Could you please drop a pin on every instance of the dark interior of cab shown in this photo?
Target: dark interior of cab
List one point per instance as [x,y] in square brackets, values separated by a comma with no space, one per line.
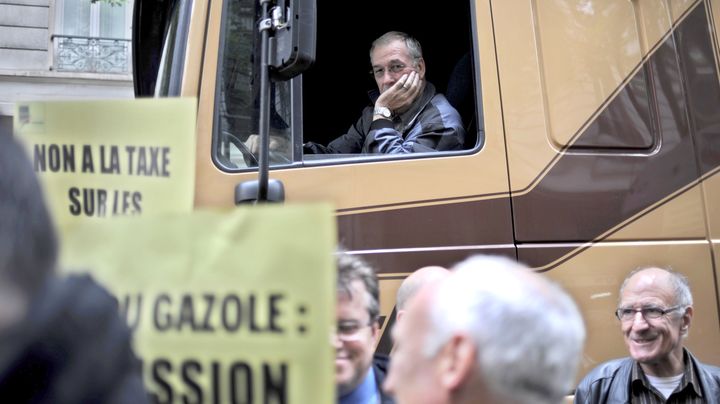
[335,88]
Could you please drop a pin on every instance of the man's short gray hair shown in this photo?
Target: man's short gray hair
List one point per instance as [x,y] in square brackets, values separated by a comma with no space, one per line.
[352,268]
[412,44]
[528,331]
[678,281]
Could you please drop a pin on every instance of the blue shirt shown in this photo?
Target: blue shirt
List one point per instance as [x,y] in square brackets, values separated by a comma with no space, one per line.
[365,393]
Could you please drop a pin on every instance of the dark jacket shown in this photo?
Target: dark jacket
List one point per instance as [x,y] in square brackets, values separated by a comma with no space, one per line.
[430,124]
[610,382]
[72,347]
[381,366]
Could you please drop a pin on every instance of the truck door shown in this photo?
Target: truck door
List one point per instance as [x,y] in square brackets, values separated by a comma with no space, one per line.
[400,211]
[606,114]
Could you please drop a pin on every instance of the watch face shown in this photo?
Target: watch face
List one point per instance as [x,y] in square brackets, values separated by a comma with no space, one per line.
[383,111]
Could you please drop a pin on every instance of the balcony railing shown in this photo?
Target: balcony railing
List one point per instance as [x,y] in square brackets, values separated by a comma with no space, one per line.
[91,54]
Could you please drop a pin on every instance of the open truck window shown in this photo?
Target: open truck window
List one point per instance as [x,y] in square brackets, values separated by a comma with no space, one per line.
[322,103]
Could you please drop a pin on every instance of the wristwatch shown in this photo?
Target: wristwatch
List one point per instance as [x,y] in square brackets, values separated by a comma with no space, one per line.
[383,111]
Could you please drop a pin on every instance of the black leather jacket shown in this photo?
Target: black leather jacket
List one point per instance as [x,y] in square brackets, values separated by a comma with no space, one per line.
[610,382]
[431,124]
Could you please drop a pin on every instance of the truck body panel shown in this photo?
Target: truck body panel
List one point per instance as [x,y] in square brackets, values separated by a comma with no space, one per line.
[598,144]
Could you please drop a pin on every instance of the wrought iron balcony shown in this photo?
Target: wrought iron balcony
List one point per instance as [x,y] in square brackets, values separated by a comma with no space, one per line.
[91,54]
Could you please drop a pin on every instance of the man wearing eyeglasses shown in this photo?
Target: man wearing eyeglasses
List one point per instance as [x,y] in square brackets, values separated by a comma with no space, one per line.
[359,373]
[655,312]
[408,115]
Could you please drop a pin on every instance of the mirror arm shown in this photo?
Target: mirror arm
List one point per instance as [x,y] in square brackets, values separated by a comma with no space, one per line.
[265,27]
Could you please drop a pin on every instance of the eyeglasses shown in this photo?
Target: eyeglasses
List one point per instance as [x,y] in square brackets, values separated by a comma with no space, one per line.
[394,68]
[648,313]
[350,330]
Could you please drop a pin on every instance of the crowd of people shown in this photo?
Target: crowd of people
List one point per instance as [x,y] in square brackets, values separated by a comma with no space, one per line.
[491,330]
[488,330]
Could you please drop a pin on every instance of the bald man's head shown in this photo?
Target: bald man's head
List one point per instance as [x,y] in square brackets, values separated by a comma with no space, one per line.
[413,283]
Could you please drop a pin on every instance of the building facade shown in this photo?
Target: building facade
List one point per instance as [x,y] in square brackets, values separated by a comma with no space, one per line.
[63,49]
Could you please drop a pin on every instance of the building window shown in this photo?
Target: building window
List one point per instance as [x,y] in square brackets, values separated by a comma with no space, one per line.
[92,37]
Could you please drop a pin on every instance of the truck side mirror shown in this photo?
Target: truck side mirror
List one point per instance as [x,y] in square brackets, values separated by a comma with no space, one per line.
[292,48]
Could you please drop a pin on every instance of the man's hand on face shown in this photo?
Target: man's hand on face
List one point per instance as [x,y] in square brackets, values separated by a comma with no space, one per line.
[401,95]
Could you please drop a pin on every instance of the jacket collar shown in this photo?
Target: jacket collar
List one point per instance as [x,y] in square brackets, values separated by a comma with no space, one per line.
[709,377]
[639,380]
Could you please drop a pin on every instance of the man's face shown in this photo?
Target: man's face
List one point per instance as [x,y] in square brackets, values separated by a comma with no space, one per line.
[413,377]
[356,338]
[390,62]
[656,343]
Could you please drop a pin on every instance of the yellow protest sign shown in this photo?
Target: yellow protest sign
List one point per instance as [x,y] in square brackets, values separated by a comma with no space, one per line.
[102,159]
[234,307]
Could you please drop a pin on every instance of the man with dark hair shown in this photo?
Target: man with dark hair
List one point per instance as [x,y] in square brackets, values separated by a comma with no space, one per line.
[358,373]
[655,309]
[408,115]
[61,340]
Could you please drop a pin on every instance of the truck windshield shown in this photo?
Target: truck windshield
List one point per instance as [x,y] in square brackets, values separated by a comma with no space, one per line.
[236,122]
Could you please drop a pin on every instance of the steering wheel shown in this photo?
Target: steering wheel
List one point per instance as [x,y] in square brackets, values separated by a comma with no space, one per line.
[248,156]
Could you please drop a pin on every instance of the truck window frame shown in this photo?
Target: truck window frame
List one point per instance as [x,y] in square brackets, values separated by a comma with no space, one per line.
[298,101]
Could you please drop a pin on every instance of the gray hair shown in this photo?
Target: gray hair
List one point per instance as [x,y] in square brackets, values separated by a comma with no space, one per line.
[412,44]
[352,268]
[528,331]
[28,246]
[678,281]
